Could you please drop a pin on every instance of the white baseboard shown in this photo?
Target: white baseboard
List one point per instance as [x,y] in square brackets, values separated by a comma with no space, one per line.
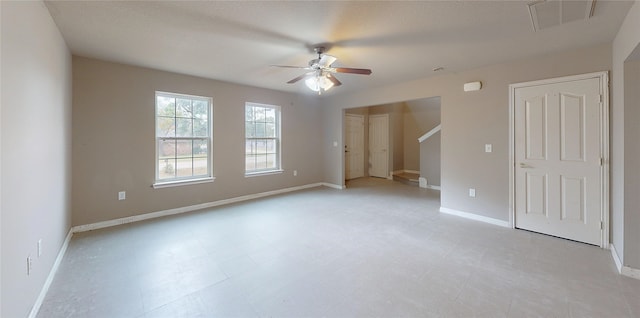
[434,187]
[630,272]
[616,258]
[52,274]
[422,182]
[334,186]
[191,208]
[475,217]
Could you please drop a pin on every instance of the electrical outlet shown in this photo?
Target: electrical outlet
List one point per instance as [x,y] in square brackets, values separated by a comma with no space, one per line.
[122,195]
[472,192]
[29,265]
[488,148]
[39,247]
[295,173]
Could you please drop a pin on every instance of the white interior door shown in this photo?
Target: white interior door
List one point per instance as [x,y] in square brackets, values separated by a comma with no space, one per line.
[558,158]
[354,146]
[379,146]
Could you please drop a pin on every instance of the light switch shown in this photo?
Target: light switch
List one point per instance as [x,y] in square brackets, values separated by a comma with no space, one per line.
[122,195]
[472,192]
[488,148]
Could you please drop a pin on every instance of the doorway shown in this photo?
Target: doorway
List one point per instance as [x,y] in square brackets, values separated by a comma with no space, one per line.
[379,146]
[354,146]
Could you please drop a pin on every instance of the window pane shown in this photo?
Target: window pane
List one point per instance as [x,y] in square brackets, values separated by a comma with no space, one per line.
[166,127]
[261,161]
[250,147]
[250,163]
[270,115]
[249,114]
[166,149]
[165,106]
[200,166]
[184,128]
[200,128]
[260,130]
[271,161]
[184,167]
[184,148]
[250,129]
[259,114]
[166,168]
[270,146]
[270,130]
[183,108]
[200,109]
[200,148]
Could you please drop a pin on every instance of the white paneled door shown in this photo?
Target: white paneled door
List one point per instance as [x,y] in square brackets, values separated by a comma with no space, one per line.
[379,146]
[354,146]
[558,132]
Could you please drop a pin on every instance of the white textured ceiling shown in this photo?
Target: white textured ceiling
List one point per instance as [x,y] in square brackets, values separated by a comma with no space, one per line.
[236,41]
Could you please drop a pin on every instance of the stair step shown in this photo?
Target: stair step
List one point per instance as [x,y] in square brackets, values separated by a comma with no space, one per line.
[407,178]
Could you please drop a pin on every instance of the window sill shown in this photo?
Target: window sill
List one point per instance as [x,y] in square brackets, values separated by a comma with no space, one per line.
[263,173]
[160,185]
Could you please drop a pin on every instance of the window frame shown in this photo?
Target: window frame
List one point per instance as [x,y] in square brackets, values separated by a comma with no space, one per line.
[193,179]
[278,140]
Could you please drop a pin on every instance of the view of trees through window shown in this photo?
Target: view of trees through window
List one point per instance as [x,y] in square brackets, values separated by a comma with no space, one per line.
[262,137]
[183,136]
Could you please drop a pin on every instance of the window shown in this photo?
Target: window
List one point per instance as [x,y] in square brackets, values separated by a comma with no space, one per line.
[262,138]
[183,138]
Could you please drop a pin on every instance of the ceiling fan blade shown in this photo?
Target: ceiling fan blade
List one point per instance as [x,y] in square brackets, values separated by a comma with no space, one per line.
[326,60]
[289,66]
[300,77]
[362,71]
[334,80]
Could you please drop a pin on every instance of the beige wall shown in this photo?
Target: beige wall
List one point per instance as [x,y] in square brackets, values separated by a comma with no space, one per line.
[36,150]
[624,220]
[632,162]
[114,147]
[420,116]
[469,120]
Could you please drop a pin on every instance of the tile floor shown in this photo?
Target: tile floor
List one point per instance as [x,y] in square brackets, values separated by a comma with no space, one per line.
[377,249]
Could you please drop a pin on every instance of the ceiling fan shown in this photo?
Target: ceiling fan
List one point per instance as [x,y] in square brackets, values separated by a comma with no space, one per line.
[320,77]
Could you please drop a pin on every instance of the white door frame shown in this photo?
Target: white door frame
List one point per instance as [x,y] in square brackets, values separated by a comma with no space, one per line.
[604,144]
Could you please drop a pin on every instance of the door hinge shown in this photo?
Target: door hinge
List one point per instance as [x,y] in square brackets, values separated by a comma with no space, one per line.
[601,225]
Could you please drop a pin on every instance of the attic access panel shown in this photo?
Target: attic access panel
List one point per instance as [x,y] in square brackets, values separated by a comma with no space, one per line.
[549,13]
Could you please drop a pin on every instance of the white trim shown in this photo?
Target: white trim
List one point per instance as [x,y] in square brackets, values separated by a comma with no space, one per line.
[422,182]
[334,186]
[263,173]
[430,133]
[153,215]
[631,272]
[604,141]
[52,274]
[169,184]
[474,216]
[616,258]
[434,187]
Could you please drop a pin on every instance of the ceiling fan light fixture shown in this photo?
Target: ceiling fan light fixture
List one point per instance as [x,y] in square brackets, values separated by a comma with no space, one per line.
[319,83]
